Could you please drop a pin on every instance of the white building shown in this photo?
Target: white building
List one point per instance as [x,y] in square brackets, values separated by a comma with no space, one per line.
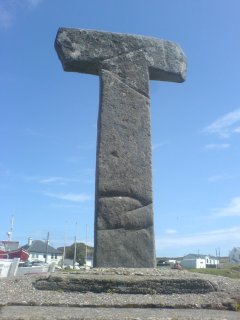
[89,261]
[41,251]
[198,261]
[234,255]
[69,263]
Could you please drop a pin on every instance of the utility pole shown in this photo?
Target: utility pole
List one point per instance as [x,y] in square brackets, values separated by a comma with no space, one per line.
[86,253]
[219,255]
[64,248]
[47,242]
[75,246]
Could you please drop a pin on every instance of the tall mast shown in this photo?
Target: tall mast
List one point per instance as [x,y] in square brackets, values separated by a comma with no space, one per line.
[10,232]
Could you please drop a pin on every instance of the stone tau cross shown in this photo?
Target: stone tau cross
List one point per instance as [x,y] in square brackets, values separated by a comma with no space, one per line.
[124,235]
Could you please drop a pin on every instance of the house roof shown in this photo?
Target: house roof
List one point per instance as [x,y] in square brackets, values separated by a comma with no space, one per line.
[39,246]
[236,249]
[200,256]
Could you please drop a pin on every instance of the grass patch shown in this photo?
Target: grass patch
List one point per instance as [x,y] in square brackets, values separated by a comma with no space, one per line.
[231,272]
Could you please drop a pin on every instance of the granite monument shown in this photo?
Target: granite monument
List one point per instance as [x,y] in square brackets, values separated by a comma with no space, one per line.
[124,233]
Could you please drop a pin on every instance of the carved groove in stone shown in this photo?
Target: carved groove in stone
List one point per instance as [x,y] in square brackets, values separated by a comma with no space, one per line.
[123,81]
[116,194]
[123,212]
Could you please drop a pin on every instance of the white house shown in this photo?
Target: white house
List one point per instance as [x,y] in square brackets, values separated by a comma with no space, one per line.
[234,255]
[41,251]
[198,261]
[89,261]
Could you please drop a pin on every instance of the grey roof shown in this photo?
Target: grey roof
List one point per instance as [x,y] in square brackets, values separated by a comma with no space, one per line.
[196,255]
[39,246]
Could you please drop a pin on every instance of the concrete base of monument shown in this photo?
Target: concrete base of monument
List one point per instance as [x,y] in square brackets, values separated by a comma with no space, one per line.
[120,293]
[127,281]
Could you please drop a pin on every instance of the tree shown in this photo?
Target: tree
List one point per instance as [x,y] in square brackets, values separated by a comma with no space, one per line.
[80,252]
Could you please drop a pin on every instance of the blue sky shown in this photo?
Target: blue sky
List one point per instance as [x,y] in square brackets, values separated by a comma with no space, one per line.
[48,122]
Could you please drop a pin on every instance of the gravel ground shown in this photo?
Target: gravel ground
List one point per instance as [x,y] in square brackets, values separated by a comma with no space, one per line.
[21,292]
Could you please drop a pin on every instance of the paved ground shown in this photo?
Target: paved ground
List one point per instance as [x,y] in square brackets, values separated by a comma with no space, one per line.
[63,313]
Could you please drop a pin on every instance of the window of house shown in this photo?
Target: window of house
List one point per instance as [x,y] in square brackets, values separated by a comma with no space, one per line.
[52,256]
[55,256]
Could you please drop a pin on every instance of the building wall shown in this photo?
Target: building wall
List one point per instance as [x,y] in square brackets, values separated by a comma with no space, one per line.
[200,263]
[41,257]
[193,263]
[89,263]
[189,263]
[234,255]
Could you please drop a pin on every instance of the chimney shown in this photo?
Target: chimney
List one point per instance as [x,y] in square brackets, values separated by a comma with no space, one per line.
[30,241]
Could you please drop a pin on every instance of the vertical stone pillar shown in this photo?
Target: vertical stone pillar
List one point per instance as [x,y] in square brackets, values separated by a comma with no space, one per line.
[124,216]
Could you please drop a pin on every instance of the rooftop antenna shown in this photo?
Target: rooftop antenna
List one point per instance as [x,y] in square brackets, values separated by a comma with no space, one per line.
[10,232]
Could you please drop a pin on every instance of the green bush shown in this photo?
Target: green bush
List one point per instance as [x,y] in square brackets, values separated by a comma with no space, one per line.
[232,272]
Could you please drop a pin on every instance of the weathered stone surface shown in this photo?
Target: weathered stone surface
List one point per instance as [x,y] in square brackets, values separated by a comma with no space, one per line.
[124,234]
[125,284]
[90,51]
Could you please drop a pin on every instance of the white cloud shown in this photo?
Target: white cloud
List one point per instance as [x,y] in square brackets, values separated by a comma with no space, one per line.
[74,197]
[214,237]
[68,205]
[156,146]
[217,146]
[219,177]
[225,126]
[52,180]
[33,3]
[233,209]
[10,8]
[6,17]
[170,231]
[237,130]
